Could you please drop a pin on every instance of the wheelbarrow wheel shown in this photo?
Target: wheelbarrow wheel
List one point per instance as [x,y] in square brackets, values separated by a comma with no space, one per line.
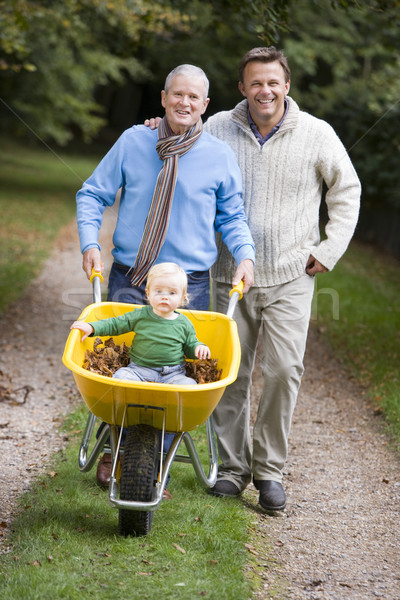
[138,478]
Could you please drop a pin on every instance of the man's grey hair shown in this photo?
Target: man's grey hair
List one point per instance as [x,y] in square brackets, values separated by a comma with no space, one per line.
[187,71]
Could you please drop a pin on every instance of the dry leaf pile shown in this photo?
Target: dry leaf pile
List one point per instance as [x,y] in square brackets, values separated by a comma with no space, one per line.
[106,359]
[204,370]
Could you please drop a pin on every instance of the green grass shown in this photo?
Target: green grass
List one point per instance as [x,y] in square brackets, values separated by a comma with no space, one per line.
[37,197]
[66,545]
[357,307]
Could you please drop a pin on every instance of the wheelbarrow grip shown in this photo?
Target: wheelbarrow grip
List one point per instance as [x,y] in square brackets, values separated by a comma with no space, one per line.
[235,294]
[96,274]
[96,279]
[237,288]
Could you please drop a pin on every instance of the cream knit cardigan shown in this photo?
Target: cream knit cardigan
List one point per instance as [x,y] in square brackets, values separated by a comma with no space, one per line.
[282,188]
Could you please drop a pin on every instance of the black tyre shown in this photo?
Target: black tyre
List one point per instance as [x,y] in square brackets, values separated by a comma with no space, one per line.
[138,478]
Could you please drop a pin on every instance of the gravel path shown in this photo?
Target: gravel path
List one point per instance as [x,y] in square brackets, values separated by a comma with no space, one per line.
[339,537]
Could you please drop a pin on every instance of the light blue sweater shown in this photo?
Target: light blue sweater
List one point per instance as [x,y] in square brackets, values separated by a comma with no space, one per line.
[208,198]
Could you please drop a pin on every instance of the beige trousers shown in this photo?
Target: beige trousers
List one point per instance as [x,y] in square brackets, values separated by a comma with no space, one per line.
[280,315]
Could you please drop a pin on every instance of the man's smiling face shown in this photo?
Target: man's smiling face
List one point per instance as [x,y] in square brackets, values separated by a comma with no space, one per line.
[184,102]
[265,88]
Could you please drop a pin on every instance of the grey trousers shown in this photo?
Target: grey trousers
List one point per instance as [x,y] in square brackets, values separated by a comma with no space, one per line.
[175,375]
[280,315]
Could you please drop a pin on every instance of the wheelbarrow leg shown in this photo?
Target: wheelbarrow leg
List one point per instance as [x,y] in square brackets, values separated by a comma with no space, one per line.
[206,481]
[85,463]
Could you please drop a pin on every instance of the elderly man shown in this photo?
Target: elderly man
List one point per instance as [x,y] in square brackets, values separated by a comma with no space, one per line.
[179,185]
[185,180]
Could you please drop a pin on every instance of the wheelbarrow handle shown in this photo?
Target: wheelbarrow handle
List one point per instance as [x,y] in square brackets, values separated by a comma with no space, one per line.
[96,279]
[237,289]
[235,294]
[96,274]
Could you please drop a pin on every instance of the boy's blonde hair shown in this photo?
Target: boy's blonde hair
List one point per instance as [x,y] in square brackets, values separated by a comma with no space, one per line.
[169,269]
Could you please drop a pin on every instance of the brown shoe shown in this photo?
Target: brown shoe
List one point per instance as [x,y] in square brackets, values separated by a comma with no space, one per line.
[103,474]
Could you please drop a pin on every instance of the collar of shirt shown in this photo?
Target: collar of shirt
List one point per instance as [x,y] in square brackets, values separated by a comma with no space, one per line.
[257,134]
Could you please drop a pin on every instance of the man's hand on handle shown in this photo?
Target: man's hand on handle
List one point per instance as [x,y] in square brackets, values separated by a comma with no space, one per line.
[245,272]
[92,260]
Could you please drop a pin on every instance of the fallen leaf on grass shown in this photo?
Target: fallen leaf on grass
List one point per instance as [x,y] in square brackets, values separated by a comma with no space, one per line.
[144,573]
[251,549]
[179,548]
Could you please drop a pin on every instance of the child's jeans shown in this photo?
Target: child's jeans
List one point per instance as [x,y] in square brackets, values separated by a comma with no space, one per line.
[175,375]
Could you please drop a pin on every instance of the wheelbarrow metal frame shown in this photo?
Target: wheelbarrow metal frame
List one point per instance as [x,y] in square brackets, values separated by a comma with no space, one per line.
[86,463]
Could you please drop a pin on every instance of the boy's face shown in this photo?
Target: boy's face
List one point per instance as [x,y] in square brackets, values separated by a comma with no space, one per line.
[165,295]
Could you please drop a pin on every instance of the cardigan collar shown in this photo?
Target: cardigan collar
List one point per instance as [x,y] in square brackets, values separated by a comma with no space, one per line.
[239,116]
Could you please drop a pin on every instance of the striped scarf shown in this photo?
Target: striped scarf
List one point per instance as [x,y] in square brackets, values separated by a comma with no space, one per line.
[169,147]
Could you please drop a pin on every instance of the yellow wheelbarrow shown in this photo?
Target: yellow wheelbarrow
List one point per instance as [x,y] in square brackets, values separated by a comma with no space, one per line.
[143,409]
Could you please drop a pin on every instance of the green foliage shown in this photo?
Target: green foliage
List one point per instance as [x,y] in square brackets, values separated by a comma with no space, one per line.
[54,55]
[265,18]
[346,69]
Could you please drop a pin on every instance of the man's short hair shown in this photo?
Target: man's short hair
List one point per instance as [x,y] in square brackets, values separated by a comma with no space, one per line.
[265,55]
[187,71]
